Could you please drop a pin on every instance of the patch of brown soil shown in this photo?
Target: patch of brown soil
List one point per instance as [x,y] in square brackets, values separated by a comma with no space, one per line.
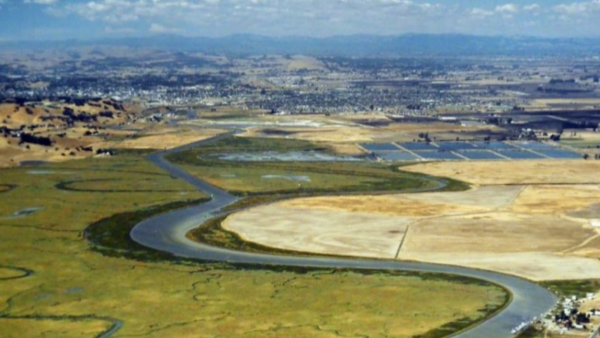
[514,172]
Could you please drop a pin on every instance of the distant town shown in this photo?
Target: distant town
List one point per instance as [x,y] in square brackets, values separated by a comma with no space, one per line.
[306,85]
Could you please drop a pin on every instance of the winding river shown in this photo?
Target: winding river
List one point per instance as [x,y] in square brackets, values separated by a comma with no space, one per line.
[167,232]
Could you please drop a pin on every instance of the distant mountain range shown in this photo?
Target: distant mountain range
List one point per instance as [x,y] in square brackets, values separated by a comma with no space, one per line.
[353,45]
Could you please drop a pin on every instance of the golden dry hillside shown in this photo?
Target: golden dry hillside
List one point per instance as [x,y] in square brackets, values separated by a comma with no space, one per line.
[58,129]
[16,113]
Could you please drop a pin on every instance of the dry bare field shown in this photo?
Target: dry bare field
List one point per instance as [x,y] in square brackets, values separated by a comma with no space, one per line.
[354,128]
[542,232]
[360,133]
[321,230]
[161,137]
[515,172]
[568,101]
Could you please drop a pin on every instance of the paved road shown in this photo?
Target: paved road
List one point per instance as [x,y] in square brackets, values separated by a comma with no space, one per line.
[167,232]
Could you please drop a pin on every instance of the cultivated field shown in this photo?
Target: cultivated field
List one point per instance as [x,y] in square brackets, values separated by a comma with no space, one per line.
[72,289]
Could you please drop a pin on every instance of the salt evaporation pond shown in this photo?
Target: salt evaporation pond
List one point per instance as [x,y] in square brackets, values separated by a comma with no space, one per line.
[293,156]
[287,177]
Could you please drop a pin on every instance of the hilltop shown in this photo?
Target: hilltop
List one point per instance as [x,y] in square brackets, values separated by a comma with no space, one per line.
[57,128]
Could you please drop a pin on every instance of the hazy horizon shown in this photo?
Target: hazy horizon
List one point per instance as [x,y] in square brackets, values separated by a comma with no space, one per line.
[89,20]
[294,36]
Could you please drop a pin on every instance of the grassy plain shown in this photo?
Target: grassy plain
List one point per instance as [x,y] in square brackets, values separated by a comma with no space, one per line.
[568,288]
[249,178]
[43,328]
[7,273]
[5,188]
[73,287]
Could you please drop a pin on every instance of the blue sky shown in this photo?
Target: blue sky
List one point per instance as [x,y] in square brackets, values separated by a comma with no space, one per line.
[89,19]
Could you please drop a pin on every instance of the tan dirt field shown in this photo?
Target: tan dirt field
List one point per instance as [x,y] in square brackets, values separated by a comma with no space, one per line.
[515,172]
[590,248]
[585,136]
[549,102]
[530,231]
[536,266]
[588,305]
[305,62]
[405,132]
[393,205]
[556,200]
[352,233]
[165,140]
[324,134]
[485,196]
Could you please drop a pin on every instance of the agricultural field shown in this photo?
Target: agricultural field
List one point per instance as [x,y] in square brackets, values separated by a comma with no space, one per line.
[53,282]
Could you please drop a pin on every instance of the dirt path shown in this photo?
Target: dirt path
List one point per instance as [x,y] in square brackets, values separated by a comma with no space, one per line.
[582,244]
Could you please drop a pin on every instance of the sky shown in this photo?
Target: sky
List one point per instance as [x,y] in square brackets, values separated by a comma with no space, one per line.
[85,19]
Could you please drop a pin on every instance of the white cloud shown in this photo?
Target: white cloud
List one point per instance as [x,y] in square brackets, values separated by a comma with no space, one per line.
[120,30]
[115,11]
[127,10]
[532,7]
[326,17]
[578,8]
[40,2]
[160,29]
[507,11]
[507,8]
[481,13]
